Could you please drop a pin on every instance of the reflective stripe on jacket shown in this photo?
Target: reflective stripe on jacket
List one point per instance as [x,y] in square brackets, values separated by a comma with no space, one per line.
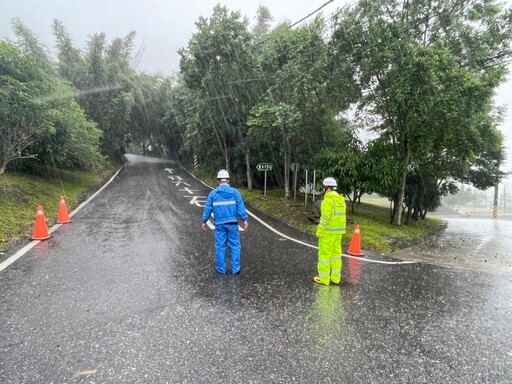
[226,204]
[333,219]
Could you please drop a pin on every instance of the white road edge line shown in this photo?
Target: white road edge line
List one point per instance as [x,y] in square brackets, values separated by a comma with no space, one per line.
[301,242]
[32,244]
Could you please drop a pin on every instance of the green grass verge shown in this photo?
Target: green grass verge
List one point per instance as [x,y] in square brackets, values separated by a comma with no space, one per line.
[372,215]
[20,195]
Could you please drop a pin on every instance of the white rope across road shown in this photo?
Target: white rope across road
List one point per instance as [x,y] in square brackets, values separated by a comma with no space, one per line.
[315,247]
[302,242]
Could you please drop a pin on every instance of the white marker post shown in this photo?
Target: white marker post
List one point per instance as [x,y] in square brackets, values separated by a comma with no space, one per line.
[306,192]
[314,185]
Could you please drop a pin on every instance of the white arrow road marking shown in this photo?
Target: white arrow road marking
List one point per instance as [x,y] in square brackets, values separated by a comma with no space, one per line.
[190,191]
[210,224]
[182,182]
[197,200]
[174,178]
[170,170]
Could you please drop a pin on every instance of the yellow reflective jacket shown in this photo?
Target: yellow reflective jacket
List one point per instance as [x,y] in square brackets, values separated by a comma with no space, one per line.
[333,219]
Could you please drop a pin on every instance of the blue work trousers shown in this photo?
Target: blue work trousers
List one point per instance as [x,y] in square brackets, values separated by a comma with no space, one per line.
[227,234]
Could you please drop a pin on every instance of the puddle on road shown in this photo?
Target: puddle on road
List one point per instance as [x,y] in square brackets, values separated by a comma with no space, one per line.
[477,244]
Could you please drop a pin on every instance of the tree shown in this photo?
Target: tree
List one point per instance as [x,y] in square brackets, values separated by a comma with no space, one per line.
[427,71]
[294,108]
[69,140]
[106,93]
[25,113]
[29,44]
[342,158]
[70,62]
[216,66]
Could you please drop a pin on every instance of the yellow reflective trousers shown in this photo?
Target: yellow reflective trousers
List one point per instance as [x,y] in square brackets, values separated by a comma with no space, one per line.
[329,259]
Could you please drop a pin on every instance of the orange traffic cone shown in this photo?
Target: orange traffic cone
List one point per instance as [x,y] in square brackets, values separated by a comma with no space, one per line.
[355,244]
[63,217]
[40,229]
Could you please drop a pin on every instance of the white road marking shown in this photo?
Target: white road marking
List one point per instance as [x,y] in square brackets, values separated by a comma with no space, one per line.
[182,182]
[170,170]
[18,254]
[190,191]
[197,202]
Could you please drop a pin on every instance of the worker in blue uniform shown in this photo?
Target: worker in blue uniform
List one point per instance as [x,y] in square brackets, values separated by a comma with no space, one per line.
[226,204]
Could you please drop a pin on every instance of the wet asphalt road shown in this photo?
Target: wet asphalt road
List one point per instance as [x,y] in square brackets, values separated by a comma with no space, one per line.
[127,293]
[483,245]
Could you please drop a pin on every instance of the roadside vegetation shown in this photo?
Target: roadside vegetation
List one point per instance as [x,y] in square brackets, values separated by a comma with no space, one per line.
[390,98]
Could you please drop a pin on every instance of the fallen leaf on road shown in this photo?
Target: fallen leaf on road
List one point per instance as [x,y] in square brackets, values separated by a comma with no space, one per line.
[509,353]
[86,373]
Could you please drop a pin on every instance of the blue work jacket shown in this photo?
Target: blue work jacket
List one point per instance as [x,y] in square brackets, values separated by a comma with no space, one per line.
[226,204]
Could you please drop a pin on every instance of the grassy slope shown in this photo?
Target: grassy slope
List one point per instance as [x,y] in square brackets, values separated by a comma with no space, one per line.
[21,194]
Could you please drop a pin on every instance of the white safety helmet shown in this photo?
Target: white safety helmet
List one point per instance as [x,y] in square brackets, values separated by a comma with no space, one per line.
[329,182]
[223,175]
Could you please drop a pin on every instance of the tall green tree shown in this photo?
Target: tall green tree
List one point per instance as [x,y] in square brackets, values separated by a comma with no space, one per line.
[70,61]
[216,66]
[427,70]
[28,42]
[294,109]
[25,114]
[106,93]
[40,118]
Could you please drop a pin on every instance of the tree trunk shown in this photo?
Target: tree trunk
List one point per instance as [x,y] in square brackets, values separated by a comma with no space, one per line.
[248,167]
[408,215]
[226,159]
[399,197]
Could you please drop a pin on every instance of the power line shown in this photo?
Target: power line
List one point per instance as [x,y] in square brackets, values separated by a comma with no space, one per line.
[301,20]
[311,14]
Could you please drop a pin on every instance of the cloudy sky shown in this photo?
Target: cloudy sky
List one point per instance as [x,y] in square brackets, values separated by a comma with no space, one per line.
[164,26]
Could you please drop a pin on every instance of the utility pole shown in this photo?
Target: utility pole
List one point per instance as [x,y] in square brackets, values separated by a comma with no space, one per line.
[495,204]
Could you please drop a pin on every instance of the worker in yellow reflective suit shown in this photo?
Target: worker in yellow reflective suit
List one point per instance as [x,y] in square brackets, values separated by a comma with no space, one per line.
[330,233]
